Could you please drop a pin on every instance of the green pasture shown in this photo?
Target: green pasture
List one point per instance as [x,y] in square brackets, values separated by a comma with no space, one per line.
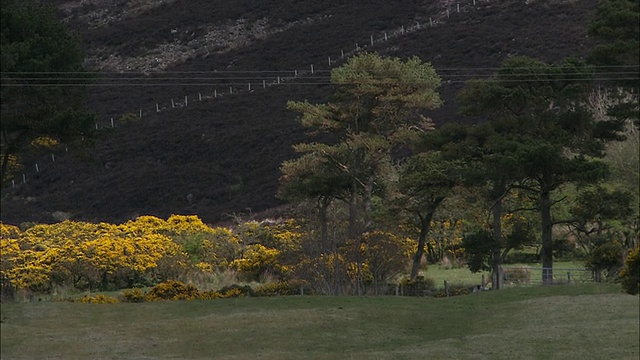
[592,321]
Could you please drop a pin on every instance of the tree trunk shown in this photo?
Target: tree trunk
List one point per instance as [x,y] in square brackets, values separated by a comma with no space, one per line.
[425,225]
[547,239]
[353,210]
[323,205]
[496,254]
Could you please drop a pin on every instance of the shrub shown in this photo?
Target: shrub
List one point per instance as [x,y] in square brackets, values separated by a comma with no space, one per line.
[421,286]
[173,290]
[99,299]
[454,290]
[236,291]
[132,296]
[630,275]
[282,288]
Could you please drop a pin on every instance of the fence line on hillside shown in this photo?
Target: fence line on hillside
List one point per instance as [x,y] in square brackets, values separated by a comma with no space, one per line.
[274,80]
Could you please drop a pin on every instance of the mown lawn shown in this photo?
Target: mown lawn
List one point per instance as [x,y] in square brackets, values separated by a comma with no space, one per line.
[558,322]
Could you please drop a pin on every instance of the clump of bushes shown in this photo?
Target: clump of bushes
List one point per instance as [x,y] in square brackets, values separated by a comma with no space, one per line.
[282,288]
[99,299]
[132,296]
[630,275]
[173,290]
[421,286]
[454,290]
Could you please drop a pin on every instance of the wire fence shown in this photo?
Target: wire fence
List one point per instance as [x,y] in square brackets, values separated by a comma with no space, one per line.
[222,84]
[528,276]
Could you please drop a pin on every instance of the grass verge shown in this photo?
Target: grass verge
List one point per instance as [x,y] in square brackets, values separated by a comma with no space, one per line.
[561,322]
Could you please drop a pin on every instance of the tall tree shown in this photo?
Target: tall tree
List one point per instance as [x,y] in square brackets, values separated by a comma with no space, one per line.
[375,106]
[41,66]
[425,181]
[540,109]
[490,167]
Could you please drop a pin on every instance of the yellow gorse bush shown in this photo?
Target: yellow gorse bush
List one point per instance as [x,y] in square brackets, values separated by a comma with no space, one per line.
[102,255]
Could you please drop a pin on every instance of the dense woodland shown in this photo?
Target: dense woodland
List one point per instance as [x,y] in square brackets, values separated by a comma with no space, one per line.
[391,162]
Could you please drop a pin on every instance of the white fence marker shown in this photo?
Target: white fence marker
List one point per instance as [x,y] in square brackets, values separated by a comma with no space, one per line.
[53,158]
[13,183]
[96,126]
[186,100]
[230,89]
[371,40]
[341,53]
[141,113]
[385,36]
[278,79]
[430,22]
[295,73]
[37,168]
[173,104]
[458,6]
[24,178]
[329,58]
[264,84]
[215,93]
[249,86]
[199,96]
[112,124]
[157,108]
[402,30]
[312,68]
[447,12]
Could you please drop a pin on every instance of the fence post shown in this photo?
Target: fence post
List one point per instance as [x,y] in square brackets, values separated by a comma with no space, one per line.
[37,168]
[458,6]
[312,68]
[341,53]
[402,29]
[186,101]
[371,40]
[24,178]
[278,79]
[215,93]
[264,84]
[329,58]
[173,104]
[157,108]
[249,86]
[385,36]
[483,283]
[141,113]
[295,73]
[13,183]
[112,124]
[199,96]
[230,89]
[53,158]
[569,277]
[447,13]
[446,288]
[430,22]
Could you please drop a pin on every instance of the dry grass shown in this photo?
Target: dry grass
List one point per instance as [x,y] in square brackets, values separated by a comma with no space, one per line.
[574,322]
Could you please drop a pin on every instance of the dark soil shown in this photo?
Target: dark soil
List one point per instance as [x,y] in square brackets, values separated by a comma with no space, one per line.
[221,156]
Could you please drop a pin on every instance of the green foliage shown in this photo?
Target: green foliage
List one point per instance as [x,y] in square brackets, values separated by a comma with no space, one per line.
[478,248]
[605,256]
[630,275]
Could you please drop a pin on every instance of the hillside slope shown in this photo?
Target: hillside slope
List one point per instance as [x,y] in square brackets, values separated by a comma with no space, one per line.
[220,156]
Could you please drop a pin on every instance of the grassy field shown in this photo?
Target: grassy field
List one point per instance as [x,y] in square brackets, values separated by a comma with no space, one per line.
[559,322]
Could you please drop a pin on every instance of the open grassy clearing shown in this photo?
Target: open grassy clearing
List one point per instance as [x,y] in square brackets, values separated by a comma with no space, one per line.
[568,322]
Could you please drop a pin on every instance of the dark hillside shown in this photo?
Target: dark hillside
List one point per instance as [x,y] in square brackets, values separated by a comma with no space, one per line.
[221,156]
